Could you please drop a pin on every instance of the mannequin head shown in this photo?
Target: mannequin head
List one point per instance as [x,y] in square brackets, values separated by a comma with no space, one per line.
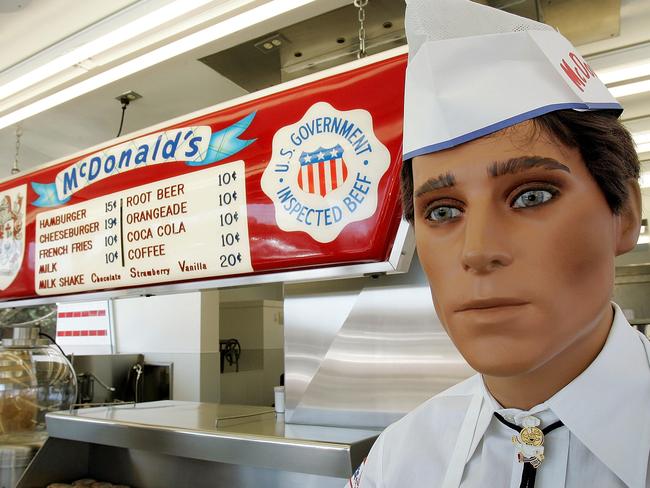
[517,233]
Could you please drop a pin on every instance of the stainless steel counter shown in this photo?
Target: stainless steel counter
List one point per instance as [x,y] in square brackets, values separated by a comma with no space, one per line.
[141,442]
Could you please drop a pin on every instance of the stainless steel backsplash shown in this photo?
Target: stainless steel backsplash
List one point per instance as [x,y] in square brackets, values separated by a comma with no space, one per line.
[363,352]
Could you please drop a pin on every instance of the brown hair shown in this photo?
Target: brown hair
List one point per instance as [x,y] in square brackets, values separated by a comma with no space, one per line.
[605,144]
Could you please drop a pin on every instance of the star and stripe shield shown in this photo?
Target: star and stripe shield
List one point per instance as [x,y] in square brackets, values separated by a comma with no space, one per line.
[322,171]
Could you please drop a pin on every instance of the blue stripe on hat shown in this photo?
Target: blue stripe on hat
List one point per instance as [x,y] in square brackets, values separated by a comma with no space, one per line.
[439,146]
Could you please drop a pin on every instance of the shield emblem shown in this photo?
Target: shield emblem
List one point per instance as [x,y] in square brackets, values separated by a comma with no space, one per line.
[12,233]
[322,171]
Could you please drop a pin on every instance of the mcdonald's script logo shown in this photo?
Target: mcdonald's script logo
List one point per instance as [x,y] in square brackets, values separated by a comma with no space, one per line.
[325,171]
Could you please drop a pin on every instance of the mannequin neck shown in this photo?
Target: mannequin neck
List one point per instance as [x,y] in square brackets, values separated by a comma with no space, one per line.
[533,387]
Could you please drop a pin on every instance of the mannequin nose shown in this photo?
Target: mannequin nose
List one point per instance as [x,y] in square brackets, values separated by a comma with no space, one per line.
[482,262]
[485,247]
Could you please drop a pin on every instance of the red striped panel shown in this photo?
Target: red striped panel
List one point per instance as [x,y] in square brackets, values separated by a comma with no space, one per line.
[335,183]
[321,177]
[81,314]
[82,333]
[310,175]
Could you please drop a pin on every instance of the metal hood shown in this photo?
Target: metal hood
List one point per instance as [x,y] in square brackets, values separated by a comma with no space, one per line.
[333,38]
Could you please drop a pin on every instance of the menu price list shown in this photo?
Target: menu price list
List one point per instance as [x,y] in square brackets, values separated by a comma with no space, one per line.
[185,227]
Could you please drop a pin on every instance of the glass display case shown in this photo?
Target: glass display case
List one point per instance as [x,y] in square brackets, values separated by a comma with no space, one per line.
[35,378]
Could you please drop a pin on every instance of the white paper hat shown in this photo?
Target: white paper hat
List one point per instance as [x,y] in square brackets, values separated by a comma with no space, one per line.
[474,70]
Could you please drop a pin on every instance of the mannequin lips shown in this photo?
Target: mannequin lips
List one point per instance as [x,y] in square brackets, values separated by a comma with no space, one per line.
[488,304]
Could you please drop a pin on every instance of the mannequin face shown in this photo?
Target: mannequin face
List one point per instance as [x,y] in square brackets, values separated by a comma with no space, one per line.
[518,244]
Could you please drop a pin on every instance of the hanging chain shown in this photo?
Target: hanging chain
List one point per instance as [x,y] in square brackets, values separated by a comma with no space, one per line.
[361,5]
[19,133]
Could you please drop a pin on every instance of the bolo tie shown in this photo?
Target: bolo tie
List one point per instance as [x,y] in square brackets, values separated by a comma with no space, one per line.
[530,445]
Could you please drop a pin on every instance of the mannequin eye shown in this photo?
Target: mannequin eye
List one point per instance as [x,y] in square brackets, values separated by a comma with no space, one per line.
[532,198]
[443,213]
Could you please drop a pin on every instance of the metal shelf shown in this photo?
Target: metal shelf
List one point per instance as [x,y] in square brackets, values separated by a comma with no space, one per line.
[175,432]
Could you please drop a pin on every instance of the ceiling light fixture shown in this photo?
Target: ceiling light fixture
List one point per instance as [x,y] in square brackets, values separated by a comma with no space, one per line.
[633,88]
[644,180]
[644,238]
[214,32]
[623,73]
[642,141]
[81,54]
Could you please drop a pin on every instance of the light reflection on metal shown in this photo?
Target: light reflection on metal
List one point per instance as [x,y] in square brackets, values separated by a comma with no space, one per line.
[364,352]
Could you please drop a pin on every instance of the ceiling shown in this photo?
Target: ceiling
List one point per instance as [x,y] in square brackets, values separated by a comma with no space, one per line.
[187,83]
[46,22]
[170,89]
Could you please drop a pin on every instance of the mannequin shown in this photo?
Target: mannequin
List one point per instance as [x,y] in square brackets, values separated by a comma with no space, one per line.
[522,189]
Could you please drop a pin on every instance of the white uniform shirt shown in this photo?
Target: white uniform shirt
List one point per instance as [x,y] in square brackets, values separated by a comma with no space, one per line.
[454,439]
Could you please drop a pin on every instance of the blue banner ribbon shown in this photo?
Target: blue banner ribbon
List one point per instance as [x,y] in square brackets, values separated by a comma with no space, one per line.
[226,142]
[47,196]
[222,145]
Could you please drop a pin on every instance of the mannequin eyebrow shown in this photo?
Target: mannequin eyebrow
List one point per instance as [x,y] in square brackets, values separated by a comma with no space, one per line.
[517,165]
[443,181]
[499,168]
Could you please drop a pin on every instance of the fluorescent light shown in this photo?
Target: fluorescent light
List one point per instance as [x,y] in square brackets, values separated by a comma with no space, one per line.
[622,73]
[627,78]
[641,137]
[642,141]
[630,88]
[644,238]
[209,34]
[103,43]
[644,180]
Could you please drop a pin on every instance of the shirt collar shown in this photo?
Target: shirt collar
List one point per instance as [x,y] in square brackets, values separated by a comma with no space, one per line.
[605,407]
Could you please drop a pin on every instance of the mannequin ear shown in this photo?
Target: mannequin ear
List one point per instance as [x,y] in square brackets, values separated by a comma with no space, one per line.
[629,219]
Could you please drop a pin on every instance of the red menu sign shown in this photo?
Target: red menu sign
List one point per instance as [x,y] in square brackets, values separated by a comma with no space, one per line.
[300,176]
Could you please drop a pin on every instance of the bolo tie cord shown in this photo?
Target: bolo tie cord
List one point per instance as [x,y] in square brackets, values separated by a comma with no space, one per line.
[529,472]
